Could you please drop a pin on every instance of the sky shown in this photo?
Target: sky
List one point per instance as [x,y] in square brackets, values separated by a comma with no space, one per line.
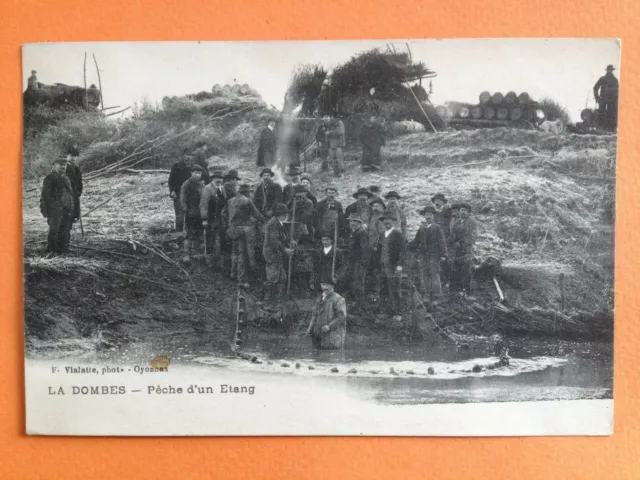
[563,69]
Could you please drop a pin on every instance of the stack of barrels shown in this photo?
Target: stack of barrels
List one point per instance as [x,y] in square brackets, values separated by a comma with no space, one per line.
[497,106]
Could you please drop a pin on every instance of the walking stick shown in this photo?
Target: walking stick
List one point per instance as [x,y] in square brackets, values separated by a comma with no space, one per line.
[80,218]
[335,243]
[293,219]
[206,227]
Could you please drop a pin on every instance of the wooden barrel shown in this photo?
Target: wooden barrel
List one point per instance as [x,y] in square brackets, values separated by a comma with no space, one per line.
[497,98]
[476,112]
[464,112]
[485,97]
[502,113]
[586,115]
[488,113]
[524,98]
[516,113]
[510,98]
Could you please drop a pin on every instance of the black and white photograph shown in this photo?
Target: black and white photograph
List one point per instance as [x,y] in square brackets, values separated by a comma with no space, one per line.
[365,237]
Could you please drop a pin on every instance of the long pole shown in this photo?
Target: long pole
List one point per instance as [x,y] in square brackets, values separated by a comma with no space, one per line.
[80,218]
[293,220]
[335,245]
[86,98]
[99,82]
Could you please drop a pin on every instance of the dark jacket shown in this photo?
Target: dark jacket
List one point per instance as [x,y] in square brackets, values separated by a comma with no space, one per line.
[375,230]
[606,88]
[212,204]
[463,237]
[275,241]
[229,191]
[287,193]
[75,176]
[392,249]
[443,218]
[372,136]
[239,211]
[180,173]
[359,247]
[304,212]
[430,241]
[323,264]
[190,196]
[199,158]
[364,211]
[266,197]
[57,195]
[327,213]
[267,148]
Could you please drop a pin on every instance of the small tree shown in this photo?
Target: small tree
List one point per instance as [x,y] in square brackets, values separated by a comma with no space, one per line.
[554,111]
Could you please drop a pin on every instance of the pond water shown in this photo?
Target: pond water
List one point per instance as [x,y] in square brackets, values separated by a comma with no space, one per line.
[391,373]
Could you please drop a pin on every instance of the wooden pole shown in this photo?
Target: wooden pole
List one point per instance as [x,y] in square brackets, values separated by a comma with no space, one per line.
[293,220]
[86,99]
[95,208]
[562,298]
[335,245]
[80,218]
[99,82]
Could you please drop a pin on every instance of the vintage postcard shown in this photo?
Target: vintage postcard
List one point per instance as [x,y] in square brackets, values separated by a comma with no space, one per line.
[402,237]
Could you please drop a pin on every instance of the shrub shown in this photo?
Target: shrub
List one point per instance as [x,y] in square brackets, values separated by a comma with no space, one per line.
[554,111]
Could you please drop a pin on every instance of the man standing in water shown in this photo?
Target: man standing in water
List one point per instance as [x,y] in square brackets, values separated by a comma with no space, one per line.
[328,327]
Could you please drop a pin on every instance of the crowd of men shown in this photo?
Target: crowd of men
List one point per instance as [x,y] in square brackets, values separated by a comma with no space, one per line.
[359,250]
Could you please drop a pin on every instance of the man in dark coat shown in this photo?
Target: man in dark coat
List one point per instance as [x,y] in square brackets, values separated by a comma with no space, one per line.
[337,141]
[372,139]
[328,326]
[441,212]
[275,251]
[361,206]
[305,181]
[303,229]
[57,202]
[180,173]
[392,205]
[268,193]
[75,177]
[322,147]
[294,179]
[239,211]
[329,214]
[200,156]
[463,238]
[212,202]
[268,145]
[375,232]
[392,252]
[325,269]
[190,196]
[358,257]
[431,248]
[605,92]
[230,180]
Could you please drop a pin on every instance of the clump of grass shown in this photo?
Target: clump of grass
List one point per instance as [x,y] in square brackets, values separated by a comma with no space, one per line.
[554,110]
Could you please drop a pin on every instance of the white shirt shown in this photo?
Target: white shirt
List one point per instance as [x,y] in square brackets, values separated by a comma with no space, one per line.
[388,232]
[326,250]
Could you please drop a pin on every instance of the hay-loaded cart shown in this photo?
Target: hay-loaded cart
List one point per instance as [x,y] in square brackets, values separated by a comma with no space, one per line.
[493,110]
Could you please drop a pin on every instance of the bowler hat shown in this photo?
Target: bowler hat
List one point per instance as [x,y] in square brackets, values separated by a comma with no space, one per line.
[465,206]
[280,209]
[244,188]
[354,217]
[267,170]
[306,176]
[439,196]
[610,68]
[217,174]
[388,214]
[393,193]
[426,209]
[197,168]
[374,189]
[232,174]
[363,191]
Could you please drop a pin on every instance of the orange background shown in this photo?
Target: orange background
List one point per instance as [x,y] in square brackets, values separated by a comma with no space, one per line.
[295,458]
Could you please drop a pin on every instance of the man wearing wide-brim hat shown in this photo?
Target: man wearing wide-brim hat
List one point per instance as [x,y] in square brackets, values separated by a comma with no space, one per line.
[329,214]
[212,203]
[190,196]
[358,258]
[268,145]
[294,179]
[230,181]
[303,227]
[392,252]
[441,212]
[375,232]
[431,249]
[463,238]
[306,181]
[328,326]
[57,202]
[329,264]
[361,205]
[240,211]
[277,247]
[605,92]
[268,193]
[392,198]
